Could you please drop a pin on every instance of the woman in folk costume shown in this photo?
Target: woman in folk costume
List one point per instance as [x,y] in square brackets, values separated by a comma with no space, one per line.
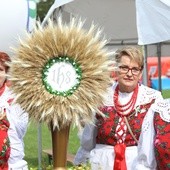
[113,142]
[13,124]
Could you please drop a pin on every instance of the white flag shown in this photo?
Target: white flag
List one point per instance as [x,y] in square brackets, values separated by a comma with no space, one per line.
[167,2]
[153,21]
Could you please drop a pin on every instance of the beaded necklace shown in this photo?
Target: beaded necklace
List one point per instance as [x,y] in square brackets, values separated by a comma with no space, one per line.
[2,89]
[125,109]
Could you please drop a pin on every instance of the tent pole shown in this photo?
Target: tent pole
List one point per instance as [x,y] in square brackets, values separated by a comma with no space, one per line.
[145,69]
[39,146]
[159,66]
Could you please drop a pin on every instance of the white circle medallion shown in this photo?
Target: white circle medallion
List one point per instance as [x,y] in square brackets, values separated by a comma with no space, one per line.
[61,76]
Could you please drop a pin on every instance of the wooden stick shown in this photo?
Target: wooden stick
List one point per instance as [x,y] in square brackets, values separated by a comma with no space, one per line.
[59,143]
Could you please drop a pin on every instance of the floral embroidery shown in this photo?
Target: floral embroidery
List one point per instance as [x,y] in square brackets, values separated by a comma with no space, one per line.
[107,125]
[5,100]
[4,141]
[143,108]
[162,142]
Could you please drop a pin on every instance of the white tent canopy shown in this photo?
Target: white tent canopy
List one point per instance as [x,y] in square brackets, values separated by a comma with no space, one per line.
[109,15]
[113,16]
[119,21]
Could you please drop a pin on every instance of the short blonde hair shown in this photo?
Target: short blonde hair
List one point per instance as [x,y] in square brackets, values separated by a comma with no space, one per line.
[134,54]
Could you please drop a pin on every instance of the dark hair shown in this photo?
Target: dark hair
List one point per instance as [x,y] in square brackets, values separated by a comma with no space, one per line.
[4,58]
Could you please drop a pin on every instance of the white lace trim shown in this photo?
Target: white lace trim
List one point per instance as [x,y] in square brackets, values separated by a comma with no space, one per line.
[163,108]
[145,95]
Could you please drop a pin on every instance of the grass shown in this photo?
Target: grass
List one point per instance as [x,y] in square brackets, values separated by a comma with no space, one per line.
[31,141]
[166,93]
[31,144]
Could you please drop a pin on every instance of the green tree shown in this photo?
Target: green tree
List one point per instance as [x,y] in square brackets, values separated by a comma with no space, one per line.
[42,8]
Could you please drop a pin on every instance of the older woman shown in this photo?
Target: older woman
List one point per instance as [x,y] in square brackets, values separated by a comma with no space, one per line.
[114,142]
[13,124]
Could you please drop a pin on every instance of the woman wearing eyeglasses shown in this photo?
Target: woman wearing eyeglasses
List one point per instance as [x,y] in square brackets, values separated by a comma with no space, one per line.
[113,143]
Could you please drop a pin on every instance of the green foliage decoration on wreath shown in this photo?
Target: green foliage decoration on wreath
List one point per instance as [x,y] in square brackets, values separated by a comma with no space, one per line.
[62,59]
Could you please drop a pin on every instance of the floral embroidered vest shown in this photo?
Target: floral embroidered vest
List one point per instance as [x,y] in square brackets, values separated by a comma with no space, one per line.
[5,101]
[107,125]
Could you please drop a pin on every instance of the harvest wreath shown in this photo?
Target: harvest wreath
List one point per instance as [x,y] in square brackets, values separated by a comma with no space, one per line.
[60,73]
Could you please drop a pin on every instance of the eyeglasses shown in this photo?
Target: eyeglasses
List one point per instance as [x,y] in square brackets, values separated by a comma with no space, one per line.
[125,69]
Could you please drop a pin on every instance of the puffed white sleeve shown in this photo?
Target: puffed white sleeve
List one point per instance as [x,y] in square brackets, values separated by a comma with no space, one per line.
[88,137]
[146,157]
[18,120]
[87,143]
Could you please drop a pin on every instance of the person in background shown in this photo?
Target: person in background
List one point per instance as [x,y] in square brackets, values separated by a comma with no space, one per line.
[115,141]
[13,124]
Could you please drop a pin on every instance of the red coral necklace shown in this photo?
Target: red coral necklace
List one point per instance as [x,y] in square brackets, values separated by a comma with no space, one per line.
[2,89]
[125,109]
